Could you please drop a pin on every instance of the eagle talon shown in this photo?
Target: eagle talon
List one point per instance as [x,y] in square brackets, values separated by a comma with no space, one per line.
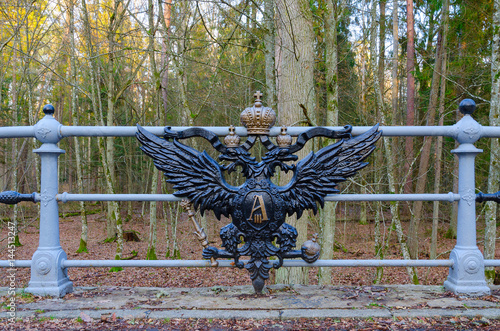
[210,252]
[310,250]
[279,263]
[309,258]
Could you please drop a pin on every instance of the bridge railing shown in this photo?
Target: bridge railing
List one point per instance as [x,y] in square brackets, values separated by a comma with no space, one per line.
[49,264]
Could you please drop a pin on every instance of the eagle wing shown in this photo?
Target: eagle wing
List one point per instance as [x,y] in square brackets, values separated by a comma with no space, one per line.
[319,173]
[195,175]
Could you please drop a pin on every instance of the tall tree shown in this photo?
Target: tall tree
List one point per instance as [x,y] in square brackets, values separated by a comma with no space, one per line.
[410,90]
[425,155]
[395,60]
[269,44]
[388,153]
[333,13]
[439,142]
[70,7]
[296,97]
[156,177]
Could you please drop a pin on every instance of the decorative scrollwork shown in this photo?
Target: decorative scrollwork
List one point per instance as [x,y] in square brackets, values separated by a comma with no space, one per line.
[469,197]
[43,132]
[46,198]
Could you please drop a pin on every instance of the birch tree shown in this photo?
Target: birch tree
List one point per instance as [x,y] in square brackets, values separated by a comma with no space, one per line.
[70,7]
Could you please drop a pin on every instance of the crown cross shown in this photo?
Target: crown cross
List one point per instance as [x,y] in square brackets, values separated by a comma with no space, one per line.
[257,96]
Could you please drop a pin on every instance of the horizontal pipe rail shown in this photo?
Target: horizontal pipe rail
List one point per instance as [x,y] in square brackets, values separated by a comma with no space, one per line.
[17,132]
[449,197]
[492,263]
[65,197]
[227,263]
[230,263]
[17,264]
[129,131]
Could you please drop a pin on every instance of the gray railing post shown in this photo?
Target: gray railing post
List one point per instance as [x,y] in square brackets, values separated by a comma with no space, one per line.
[466,276]
[48,277]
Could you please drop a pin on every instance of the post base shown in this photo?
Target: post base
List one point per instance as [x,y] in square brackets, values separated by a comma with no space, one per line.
[48,278]
[466,276]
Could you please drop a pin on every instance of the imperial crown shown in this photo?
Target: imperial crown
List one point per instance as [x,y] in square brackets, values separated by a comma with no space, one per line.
[232,139]
[258,119]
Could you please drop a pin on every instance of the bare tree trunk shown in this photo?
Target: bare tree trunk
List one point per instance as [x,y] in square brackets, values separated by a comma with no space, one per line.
[112,231]
[269,44]
[328,215]
[439,156]
[15,104]
[494,171]
[439,143]
[155,183]
[395,60]
[167,12]
[381,45]
[394,207]
[410,92]
[113,207]
[295,86]
[79,173]
[426,149]
[381,98]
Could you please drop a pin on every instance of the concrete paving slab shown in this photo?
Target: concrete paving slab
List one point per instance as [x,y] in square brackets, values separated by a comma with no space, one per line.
[278,302]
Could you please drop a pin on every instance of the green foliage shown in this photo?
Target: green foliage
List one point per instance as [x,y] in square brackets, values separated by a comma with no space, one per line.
[450,234]
[415,279]
[109,240]
[83,247]
[116,269]
[490,275]
[17,243]
[151,255]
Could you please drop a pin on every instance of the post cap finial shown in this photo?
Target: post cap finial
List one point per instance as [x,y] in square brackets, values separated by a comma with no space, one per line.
[48,109]
[467,106]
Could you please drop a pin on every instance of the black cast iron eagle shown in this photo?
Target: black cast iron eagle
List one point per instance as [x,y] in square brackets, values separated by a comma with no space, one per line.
[258,208]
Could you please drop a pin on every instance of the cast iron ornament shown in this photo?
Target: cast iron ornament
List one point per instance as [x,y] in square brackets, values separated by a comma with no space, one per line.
[258,208]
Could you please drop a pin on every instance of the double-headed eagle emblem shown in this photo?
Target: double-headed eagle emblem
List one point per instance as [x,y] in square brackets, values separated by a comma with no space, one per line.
[258,208]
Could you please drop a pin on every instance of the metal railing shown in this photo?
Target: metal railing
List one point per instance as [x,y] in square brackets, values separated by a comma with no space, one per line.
[49,264]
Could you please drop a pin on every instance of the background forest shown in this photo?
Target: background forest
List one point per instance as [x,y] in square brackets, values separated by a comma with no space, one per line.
[324,62]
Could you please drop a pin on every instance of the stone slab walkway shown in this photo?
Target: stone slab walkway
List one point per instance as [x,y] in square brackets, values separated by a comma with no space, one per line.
[280,302]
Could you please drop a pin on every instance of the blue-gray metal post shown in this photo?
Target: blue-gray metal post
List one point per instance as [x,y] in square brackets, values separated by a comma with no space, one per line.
[48,277]
[466,276]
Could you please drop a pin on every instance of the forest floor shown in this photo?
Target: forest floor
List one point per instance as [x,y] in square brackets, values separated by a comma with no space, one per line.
[353,241]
